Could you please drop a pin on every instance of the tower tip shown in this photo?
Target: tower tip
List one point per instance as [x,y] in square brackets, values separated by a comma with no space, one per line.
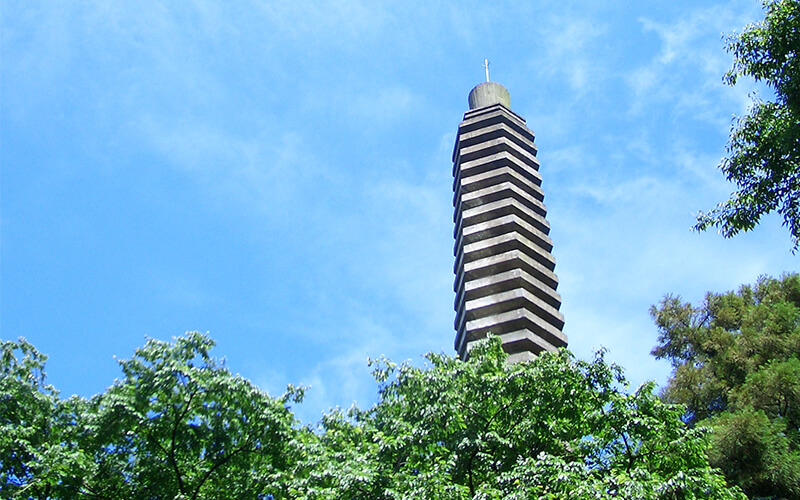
[487,94]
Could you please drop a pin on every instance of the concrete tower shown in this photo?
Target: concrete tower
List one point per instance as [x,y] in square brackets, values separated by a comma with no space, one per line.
[505,282]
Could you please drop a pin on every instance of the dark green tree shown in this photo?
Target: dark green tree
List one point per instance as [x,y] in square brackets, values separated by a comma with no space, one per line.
[764,149]
[736,368]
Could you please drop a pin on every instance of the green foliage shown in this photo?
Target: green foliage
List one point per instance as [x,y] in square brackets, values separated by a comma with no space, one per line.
[554,427]
[736,368]
[764,149]
[755,452]
[38,453]
[180,425]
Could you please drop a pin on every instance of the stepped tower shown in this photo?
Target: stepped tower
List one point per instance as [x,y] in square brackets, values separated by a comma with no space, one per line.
[505,281]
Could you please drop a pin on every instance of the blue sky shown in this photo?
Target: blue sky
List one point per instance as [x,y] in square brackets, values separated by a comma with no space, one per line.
[278,174]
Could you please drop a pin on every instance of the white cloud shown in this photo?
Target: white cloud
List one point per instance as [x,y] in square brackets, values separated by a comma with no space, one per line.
[567,45]
[266,170]
[180,290]
[342,376]
[379,107]
[328,21]
[625,194]
[687,71]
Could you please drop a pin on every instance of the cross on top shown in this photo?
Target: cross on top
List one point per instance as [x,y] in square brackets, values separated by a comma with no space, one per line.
[486,67]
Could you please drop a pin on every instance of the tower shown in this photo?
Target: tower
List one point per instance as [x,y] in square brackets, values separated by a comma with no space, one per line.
[505,281]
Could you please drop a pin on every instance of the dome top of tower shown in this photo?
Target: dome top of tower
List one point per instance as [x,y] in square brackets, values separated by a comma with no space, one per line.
[487,94]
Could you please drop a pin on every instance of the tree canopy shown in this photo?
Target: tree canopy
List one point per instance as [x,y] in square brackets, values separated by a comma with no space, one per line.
[764,149]
[179,424]
[736,368]
[555,427]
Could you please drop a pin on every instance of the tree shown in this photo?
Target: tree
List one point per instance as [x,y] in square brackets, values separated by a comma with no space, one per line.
[39,456]
[764,148]
[179,425]
[736,368]
[554,427]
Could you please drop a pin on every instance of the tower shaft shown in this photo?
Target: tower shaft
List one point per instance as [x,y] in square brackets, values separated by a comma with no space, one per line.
[505,281]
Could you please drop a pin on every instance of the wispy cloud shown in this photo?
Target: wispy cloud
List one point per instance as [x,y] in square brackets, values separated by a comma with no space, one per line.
[180,290]
[380,107]
[568,48]
[688,67]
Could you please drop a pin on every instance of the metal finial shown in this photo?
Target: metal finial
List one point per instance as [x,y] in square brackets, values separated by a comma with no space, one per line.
[486,66]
